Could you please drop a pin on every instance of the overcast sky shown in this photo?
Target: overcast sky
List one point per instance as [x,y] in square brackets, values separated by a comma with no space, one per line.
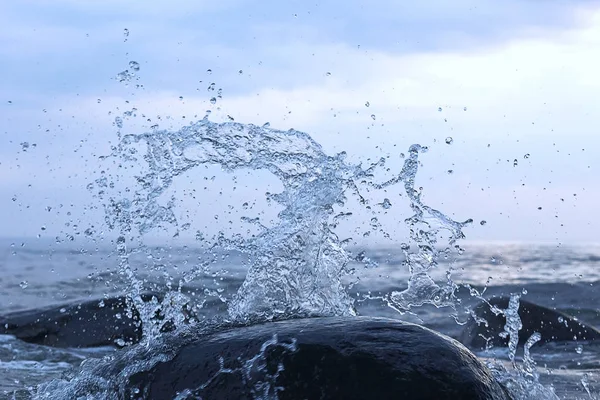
[514,80]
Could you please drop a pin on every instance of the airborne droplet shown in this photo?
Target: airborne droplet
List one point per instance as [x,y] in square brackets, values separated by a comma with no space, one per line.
[373,117]
[24,284]
[386,203]
[367,104]
[449,140]
[134,65]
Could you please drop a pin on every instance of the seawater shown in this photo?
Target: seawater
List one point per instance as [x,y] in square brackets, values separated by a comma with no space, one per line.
[293,265]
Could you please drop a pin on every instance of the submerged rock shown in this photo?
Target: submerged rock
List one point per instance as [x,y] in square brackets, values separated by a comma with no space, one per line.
[319,358]
[87,324]
[552,325]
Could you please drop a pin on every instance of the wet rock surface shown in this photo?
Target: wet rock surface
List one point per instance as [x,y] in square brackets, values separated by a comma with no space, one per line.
[101,322]
[553,325]
[320,358]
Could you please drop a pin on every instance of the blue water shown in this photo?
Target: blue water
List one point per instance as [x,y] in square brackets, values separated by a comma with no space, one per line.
[34,273]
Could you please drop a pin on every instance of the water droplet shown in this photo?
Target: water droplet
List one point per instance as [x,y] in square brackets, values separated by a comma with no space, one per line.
[374,221]
[328,74]
[464,108]
[439,109]
[180,97]
[24,284]
[266,125]
[449,140]
[483,222]
[240,72]
[119,122]
[579,349]
[24,146]
[213,100]
[515,162]
[120,342]
[539,208]
[367,104]
[386,203]
[561,319]
[63,310]
[526,156]
[134,65]
[450,171]
[10,102]
[101,304]
[209,71]
[373,117]
[99,101]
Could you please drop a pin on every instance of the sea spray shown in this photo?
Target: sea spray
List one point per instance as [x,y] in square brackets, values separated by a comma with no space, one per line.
[426,224]
[296,266]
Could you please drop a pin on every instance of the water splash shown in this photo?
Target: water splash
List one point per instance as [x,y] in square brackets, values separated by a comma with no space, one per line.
[297,265]
[513,324]
[529,366]
[299,262]
[522,381]
[426,225]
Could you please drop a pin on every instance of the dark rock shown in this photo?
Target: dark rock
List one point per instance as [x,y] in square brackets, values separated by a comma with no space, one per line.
[87,324]
[553,325]
[319,358]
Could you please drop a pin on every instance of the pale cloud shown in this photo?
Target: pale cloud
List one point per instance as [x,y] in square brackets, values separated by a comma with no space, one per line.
[522,94]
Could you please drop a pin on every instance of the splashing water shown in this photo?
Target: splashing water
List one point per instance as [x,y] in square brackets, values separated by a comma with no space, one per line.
[300,262]
[425,226]
[297,265]
[513,324]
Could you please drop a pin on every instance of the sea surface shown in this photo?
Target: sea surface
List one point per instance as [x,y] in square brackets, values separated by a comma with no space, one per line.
[35,274]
